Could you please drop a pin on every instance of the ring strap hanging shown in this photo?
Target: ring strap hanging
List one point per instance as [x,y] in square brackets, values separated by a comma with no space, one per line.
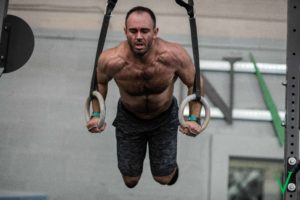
[197,93]
[94,94]
[193,26]
[109,8]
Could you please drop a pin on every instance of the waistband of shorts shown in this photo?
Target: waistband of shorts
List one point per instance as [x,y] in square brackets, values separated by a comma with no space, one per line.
[159,117]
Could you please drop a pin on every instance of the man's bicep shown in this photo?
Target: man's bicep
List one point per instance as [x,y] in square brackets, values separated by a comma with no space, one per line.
[102,77]
[102,70]
[186,69]
[186,74]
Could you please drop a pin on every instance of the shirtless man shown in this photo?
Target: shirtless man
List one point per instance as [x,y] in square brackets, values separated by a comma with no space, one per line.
[145,69]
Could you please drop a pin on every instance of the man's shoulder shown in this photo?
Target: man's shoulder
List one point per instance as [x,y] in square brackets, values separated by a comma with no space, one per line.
[169,46]
[169,50]
[112,55]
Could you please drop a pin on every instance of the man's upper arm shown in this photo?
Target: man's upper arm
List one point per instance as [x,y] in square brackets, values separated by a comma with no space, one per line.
[102,69]
[186,68]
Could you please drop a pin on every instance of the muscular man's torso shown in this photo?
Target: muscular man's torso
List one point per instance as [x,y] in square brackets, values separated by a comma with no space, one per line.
[146,85]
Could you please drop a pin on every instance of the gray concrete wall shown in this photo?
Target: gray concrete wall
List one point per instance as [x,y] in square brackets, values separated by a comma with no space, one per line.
[225,27]
[44,145]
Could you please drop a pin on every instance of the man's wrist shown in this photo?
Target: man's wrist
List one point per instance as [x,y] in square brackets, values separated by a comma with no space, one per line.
[95,114]
[193,118]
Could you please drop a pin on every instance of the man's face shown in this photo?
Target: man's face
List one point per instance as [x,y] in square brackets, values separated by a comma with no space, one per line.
[140,32]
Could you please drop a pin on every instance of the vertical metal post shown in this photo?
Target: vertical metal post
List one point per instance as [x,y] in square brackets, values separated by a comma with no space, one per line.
[231,61]
[291,150]
[3,13]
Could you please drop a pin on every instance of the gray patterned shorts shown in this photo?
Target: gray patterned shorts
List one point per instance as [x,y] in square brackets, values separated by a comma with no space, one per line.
[133,134]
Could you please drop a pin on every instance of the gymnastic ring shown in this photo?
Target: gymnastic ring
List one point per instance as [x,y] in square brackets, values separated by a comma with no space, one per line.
[100,99]
[206,108]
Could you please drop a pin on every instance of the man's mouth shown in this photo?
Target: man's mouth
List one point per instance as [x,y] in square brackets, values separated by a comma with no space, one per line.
[139,45]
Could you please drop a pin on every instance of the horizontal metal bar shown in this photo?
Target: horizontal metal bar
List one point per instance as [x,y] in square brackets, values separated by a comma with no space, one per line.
[247,67]
[242,114]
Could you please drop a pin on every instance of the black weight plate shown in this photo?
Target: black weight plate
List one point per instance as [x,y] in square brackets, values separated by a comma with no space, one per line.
[20,43]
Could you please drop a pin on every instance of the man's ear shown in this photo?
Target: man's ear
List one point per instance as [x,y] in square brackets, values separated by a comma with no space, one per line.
[156,30]
[125,30]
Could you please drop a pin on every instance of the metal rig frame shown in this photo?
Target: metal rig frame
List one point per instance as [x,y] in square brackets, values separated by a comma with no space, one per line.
[291,150]
[3,13]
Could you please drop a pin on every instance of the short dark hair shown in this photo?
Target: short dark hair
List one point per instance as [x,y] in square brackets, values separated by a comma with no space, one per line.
[142,9]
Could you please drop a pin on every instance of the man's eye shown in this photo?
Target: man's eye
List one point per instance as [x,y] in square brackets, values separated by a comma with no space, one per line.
[144,30]
[132,31]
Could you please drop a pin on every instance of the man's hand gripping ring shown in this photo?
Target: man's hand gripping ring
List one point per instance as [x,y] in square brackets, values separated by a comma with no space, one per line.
[101,102]
[206,108]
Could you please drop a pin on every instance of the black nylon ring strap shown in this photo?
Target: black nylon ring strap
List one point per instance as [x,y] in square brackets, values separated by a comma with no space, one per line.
[197,91]
[109,8]
[188,6]
[193,26]
[94,94]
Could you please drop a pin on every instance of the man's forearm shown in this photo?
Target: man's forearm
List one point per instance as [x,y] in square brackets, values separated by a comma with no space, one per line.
[95,105]
[195,106]
[102,89]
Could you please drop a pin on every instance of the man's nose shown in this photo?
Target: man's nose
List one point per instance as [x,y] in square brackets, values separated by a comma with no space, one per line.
[139,35]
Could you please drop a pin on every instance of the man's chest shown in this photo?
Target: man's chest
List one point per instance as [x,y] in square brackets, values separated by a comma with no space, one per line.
[145,72]
[142,78]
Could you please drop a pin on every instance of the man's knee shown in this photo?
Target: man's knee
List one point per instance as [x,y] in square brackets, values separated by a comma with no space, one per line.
[131,181]
[164,180]
[168,180]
